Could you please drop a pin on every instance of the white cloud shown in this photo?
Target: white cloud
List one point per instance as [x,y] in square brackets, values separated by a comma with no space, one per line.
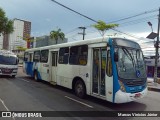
[48,19]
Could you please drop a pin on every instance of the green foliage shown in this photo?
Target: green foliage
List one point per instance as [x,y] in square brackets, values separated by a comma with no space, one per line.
[2,16]
[101,26]
[21,48]
[6,25]
[8,28]
[55,34]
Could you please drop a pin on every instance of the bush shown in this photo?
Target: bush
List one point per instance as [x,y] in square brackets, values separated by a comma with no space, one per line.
[158,80]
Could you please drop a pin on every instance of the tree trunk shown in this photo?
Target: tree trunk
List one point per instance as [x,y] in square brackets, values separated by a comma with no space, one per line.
[6,41]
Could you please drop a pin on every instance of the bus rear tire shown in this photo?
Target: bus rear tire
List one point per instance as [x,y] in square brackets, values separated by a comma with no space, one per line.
[80,89]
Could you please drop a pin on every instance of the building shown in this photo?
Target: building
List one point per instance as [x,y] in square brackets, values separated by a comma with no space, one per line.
[46,40]
[22,31]
[150,64]
[27,31]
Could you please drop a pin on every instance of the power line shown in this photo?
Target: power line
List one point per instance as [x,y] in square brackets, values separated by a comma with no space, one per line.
[126,33]
[151,11]
[73,30]
[73,35]
[120,26]
[73,11]
[138,20]
[110,22]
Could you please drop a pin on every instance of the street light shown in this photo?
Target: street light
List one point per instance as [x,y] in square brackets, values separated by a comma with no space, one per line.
[150,24]
[152,36]
[156,45]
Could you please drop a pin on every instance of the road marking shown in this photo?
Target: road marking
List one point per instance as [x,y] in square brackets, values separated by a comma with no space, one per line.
[79,102]
[4,104]
[25,80]
[6,107]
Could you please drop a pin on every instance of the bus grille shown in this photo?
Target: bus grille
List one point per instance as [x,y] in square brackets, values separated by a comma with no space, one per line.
[135,83]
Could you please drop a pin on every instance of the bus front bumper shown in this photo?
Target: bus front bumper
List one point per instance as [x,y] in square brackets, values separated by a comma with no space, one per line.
[122,97]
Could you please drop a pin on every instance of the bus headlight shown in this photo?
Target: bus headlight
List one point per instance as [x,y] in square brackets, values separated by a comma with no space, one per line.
[122,86]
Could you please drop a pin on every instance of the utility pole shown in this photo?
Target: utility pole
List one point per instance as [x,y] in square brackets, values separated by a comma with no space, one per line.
[157,47]
[83,28]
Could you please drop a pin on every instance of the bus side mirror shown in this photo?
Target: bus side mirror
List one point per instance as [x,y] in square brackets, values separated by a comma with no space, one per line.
[116,56]
[17,60]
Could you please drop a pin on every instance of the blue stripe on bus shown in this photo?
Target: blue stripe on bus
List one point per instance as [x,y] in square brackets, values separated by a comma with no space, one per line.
[28,68]
[116,85]
[39,75]
[135,89]
[30,71]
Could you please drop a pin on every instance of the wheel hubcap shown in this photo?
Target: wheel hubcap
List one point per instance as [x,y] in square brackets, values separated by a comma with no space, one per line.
[79,89]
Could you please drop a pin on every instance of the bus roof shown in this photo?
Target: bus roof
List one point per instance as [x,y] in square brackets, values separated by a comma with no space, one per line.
[6,52]
[80,42]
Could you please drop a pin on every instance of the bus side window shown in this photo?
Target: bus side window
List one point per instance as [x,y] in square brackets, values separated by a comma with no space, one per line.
[73,59]
[44,56]
[26,55]
[30,57]
[83,55]
[36,56]
[63,55]
[78,55]
[109,64]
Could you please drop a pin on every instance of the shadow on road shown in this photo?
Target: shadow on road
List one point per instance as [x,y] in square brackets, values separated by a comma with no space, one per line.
[131,106]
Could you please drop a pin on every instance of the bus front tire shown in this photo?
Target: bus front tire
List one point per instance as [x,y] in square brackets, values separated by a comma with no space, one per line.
[13,76]
[80,89]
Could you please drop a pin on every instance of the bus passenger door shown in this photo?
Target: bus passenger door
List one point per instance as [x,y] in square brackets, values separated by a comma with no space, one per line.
[54,67]
[99,71]
[30,64]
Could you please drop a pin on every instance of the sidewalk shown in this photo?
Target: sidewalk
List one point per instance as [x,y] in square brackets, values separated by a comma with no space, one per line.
[153,86]
[20,65]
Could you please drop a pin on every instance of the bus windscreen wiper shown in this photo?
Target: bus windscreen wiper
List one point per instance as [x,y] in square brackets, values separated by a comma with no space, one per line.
[128,54]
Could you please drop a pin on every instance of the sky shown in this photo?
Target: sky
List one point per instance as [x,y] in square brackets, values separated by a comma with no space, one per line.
[45,16]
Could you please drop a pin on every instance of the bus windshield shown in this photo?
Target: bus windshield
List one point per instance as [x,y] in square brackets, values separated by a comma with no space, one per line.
[8,60]
[129,62]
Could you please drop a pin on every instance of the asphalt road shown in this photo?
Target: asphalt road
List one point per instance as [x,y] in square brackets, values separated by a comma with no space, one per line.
[24,94]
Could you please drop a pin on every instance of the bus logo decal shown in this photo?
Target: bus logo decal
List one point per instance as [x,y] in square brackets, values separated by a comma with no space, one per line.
[138,74]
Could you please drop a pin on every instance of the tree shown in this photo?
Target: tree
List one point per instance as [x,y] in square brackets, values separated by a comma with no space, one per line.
[2,16]
[6,25]
[55,34]
[101,26]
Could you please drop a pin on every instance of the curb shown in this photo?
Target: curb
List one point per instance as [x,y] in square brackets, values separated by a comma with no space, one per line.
[20,65]
[153,89]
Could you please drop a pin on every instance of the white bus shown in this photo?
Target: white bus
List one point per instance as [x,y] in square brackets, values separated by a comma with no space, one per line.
[112,69]
[8,63]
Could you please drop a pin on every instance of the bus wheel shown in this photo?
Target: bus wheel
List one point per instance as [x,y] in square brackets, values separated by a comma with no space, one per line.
[36,76]
[79,89]
[13,76]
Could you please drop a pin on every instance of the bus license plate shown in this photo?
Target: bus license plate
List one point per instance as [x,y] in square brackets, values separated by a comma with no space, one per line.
[137,95]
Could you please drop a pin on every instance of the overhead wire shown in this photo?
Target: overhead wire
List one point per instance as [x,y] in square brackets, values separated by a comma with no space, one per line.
[73,30]
[74,11]
[137,21]
[146,12]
